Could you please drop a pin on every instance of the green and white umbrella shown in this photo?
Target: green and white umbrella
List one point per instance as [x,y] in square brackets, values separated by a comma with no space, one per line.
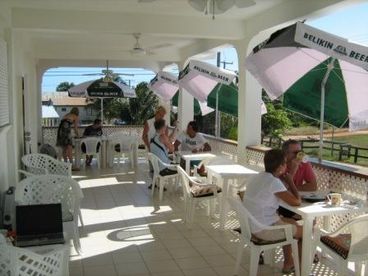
[319,74]
[102,88]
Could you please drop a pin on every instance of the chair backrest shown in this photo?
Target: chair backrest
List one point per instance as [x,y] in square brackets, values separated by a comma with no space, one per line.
[155,163]
[45,189]
[91,144]
[359,235]
[185,181]
[37,163]
[244,218]
[23,262]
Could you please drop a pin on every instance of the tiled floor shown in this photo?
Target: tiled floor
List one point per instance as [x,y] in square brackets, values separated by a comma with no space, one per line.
[127,232]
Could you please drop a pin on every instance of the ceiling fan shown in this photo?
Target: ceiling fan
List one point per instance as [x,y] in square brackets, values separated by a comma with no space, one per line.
[219,6]
[139,50]
[108,75]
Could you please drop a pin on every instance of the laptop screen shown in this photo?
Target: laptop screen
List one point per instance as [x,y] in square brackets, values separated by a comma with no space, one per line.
[38,219]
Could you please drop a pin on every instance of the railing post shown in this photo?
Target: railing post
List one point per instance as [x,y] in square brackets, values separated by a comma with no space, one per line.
[356,155]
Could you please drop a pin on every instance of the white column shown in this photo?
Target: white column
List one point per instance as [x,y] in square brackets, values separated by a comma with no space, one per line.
[249,106]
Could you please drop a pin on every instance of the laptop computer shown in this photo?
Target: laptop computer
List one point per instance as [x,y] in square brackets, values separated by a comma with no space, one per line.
[39,225]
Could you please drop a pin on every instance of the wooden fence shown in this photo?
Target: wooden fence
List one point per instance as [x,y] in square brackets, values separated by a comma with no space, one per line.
[342,149]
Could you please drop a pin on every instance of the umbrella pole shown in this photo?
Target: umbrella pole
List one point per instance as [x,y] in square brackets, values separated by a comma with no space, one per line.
[217,123]
[330,67]
[101,99]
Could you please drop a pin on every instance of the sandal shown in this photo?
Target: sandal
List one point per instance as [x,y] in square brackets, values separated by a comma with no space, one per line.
[288,270]
[316,259]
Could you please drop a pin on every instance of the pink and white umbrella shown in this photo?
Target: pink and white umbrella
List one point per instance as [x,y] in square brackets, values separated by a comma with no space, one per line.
[200,78]
[165,85]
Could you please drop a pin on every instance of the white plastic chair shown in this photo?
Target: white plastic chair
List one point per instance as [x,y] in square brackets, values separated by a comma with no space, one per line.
[126,145]
[15,261]
[46,189]
[354,233]
[256,246]
[37,163]
[190,200]
[91,148]
[158,179]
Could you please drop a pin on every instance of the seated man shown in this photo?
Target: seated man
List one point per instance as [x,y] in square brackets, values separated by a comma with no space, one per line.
[297,172]
[161,146]
[261,199]
[92,130]
[191,140]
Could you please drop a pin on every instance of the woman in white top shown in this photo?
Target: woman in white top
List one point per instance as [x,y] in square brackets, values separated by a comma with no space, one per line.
[262,196]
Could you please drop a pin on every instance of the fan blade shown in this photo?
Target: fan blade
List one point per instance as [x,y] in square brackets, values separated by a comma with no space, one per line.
[159,46]
[93,74]
[199,5]
[244,3]
[223,5]
[124,74]
[146,1]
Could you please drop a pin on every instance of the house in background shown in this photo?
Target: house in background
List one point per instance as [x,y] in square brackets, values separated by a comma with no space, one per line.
[49,116]
[62,105]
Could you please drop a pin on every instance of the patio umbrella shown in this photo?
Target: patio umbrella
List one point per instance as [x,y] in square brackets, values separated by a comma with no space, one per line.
[227,99]
[164,84]
[200,78]
[101,89]
[318,73]
[200,108]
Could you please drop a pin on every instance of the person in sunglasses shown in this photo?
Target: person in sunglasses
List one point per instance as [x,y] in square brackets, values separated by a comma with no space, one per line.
[298,171]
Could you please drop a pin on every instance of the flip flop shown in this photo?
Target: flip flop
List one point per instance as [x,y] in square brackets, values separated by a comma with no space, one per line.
[288,270]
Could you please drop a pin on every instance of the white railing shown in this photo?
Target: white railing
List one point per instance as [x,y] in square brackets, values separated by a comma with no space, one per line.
[329,177]
[49,133]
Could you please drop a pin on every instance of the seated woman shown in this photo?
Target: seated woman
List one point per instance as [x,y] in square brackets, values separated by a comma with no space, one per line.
[160,146]
[261,198]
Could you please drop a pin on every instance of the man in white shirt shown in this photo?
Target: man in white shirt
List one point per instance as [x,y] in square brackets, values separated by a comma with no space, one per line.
[192,140]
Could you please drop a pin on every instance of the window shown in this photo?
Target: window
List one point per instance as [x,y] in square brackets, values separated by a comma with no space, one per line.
[4,91]
[63,109]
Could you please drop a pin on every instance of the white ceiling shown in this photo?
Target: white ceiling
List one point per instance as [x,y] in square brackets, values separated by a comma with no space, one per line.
[85,30]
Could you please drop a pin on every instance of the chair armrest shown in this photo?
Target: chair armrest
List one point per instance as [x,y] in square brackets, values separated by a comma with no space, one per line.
[25,173]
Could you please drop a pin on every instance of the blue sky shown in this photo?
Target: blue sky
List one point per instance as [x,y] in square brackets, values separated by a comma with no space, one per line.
[350,23]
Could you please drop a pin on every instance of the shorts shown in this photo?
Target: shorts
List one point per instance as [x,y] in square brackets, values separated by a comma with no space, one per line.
[275,235]
[167,171]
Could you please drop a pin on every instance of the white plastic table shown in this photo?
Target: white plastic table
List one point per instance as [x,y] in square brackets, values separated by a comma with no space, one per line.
[190,156]
[310,211]
[224,173]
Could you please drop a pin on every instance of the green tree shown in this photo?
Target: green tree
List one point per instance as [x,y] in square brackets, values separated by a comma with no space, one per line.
[143,106]
[64,86]
[276,121]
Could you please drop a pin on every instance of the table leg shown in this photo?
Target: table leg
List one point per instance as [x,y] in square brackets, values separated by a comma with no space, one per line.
[224,184]
[135,156]
[77,157]
[308,246]
[187,166]
[103,154]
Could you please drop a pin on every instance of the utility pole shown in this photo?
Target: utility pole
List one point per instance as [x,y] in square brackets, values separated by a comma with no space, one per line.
[224,63]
